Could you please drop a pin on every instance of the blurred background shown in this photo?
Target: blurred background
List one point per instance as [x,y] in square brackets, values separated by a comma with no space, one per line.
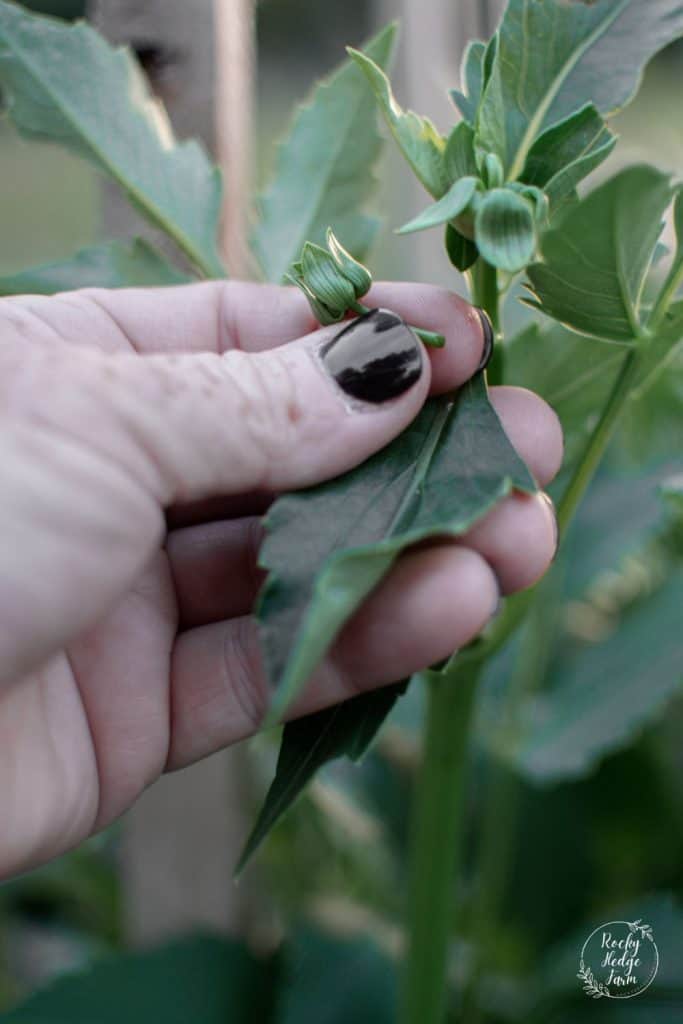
[567,826]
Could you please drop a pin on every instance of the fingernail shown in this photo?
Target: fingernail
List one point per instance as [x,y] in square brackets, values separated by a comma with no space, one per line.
[487,329]
[551,505]
[375,358]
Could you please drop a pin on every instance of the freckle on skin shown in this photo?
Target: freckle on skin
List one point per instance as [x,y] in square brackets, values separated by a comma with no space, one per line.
[171,384]
[293,412]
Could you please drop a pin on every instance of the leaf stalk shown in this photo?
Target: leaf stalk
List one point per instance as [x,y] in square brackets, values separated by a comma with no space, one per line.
[429,338]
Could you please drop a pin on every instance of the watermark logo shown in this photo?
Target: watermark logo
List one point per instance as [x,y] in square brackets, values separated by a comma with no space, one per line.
[619,960]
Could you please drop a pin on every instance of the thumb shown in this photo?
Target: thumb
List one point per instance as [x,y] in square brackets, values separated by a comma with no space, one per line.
[282,419]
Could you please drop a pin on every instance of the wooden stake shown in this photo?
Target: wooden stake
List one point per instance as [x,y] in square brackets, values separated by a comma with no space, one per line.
[234,117]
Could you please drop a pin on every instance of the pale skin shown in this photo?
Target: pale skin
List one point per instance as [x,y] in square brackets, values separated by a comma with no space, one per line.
[142,433]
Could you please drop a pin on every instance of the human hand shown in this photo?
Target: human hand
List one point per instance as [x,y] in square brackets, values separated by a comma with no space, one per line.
[142,433]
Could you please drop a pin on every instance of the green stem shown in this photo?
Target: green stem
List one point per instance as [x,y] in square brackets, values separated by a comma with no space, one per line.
[486,295]
[666,296]
[437,821]
[598,442]
[438,797]
[517,607]
[501,800]
[502,789]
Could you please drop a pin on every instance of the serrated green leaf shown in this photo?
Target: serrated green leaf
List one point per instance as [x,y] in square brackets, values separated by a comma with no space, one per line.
[327,547]
[567,153]
[308,743]
[324,169]
[448,208]
[459,153]
[472,78]
[505,230]
[199,979]
[596,258]
[110,265]
[552,58]
[604,693]
[64,83]
[462,252]
[417,138]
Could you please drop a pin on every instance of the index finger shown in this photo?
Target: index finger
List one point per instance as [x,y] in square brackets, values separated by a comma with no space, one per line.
[220,315]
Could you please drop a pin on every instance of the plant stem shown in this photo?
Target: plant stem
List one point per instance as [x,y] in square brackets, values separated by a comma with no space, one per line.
[486,295]
[435,841]
[501,801]
[439,791]
[598,441]
[668,294]
[517,607]
[496,845]
[439,795]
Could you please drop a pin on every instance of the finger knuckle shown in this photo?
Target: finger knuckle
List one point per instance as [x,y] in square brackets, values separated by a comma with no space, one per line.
[244,672]
[267,409]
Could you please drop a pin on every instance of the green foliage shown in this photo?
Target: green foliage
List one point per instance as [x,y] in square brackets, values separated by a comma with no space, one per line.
[462,252]
[204,979]
[596,258]
[567,153]
[212,980]
[472,76]
[456,200]
[419,141]
[597,700]
[308,743]
[572,372]
[553,57]
[324,170]
[595,667]
[64,83]
[443,473]
[459,154]
[111,265]
[329,980]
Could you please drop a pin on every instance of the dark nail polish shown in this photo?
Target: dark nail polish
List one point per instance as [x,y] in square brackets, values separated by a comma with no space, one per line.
[487,328]
[551,506]
[375,358]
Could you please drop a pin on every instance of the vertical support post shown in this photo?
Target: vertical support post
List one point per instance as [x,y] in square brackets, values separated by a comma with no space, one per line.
[182,838]
[234,118]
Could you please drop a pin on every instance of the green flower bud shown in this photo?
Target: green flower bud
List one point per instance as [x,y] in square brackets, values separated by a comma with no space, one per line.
[321,312]
[536,196]
[359,276]
[493,171]
[325,280]
[331,280]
